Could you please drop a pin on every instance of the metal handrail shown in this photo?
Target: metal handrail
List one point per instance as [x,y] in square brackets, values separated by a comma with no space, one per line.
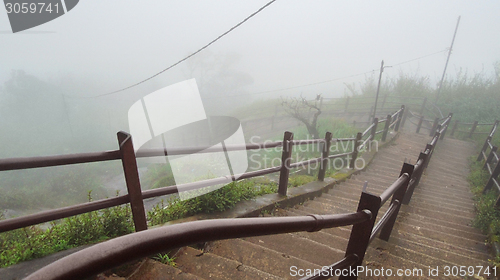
[368,129]
[393,188]
[46,161]
[114,252]
[385,218]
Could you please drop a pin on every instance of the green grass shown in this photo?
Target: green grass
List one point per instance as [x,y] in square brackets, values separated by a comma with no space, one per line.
[34,242]
[216,201]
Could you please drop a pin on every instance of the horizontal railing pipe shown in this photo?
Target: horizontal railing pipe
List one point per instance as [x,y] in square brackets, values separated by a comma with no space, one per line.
[368,129]
[47,161]
[60,213]
[307,142]
[393,188]
[305,162]
[111,253]
[385,218]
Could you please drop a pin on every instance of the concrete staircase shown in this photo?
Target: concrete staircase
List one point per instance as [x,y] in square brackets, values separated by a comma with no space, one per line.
[432,231]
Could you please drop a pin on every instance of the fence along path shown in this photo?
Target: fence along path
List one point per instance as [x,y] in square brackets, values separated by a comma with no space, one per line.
[435,228]
[432,231]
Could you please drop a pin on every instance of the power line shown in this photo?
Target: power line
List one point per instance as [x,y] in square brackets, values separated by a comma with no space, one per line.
[189,56]
[327,81]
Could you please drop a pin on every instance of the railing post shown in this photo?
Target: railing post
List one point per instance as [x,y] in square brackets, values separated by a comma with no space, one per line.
[400,117]
[398,197]
[484,148]
[286,157]
[416,178]
[360,233]
[355,150]
[374,129]
[454,128]
[450,115]
[420,124]
[129,164]
[324,156]
[434,125]
[403,120]
[386,127]
[429,156]
[423,106]
[438,132]
[493,128]
[473,128]
[493,176]
[490,156]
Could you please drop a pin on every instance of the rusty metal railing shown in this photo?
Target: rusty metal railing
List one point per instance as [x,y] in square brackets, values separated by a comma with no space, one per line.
[402,189]
[491,162]
[136,196]
[143,243]
[111,253]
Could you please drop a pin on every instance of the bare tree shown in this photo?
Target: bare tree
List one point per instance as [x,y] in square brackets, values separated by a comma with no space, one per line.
[305,111]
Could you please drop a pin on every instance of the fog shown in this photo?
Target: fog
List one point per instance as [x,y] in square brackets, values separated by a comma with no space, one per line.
[61,82]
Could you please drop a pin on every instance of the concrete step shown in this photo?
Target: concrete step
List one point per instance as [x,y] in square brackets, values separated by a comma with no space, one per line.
[299,247]
[153,270]
[255,255]
[207,265]
[434,230]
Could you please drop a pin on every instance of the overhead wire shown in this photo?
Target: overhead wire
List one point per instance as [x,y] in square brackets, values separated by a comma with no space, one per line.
[189,56]
[331,80]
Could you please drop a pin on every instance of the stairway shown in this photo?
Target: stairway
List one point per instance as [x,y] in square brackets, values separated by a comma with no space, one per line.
[432,231]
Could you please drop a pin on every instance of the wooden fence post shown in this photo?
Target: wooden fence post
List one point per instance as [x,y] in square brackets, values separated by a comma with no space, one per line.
[450,115]
[360,233]
[490,156]
[473,128]
[374,129]
[286,157]
[355,150]
[416,178]
[493,176]
[397,198]
[386,127]
[324,156]
[129,164]
[423,106]
[484,148]
[405,113]
[434,125]
[420,124]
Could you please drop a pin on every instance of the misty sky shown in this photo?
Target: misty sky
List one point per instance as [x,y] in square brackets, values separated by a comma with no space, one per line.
[113,44]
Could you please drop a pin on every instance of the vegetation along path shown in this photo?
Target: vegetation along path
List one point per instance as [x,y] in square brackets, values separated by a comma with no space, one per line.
[432,237]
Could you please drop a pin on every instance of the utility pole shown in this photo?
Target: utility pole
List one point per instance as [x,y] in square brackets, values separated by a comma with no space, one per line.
[378,89]
[447,60]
